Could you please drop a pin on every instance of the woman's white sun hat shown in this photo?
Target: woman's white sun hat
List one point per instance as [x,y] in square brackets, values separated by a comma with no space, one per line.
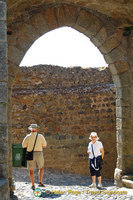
[94,134]
[32,126]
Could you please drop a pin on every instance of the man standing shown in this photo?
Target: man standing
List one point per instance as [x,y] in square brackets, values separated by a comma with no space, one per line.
[38,158]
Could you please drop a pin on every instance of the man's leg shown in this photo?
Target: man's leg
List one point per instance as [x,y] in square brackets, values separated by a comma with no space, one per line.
[41,172]
[40,163]
[31,173]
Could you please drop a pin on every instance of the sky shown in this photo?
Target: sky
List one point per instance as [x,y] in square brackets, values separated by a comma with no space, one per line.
[64,47]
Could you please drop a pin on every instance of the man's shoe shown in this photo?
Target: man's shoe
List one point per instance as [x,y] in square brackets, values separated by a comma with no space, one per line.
[93,185]
[41,185]
[99,186]
[33,187]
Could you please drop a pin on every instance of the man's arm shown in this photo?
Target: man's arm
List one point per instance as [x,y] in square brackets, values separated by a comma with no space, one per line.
[44,145]
[24,143]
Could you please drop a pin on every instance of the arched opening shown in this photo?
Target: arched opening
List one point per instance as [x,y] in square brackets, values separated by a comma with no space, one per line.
[64,47]
[109,42]
[67,104]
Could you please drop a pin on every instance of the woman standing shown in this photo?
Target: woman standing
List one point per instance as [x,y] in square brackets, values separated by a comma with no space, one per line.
[96,154]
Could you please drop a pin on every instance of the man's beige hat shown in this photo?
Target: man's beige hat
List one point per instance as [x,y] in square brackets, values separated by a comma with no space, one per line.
[32,126]
[94,134]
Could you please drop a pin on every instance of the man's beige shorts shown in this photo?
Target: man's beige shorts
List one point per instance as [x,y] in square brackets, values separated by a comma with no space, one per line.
[37,159]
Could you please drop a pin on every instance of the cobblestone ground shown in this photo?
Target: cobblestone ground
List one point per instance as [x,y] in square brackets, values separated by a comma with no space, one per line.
[65,186]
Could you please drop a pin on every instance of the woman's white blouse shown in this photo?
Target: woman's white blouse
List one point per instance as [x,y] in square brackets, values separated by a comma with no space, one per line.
[96,148]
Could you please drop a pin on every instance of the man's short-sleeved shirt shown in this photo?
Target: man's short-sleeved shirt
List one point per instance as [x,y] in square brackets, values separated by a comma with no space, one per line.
[96,148]
[30,139]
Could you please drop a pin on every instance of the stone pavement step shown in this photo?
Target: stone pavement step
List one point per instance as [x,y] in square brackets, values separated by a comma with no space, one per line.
[66,186]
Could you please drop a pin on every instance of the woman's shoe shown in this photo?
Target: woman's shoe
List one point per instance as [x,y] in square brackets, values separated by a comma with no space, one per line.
[93,185]
[99,186]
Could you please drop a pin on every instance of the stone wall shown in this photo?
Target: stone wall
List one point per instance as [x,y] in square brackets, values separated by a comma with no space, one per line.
[67,104]
[4,148]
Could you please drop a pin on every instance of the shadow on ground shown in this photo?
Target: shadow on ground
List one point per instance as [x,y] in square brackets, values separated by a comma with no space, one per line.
[13,197]
[56,178]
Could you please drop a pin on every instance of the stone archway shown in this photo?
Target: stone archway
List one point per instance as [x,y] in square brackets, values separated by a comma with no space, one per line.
[107,37]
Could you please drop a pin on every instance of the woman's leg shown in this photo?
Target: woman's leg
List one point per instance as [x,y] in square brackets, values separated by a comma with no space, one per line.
[93,176]
[99,179]
[93,179]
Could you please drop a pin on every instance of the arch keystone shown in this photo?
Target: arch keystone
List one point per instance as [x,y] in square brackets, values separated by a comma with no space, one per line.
[50,17]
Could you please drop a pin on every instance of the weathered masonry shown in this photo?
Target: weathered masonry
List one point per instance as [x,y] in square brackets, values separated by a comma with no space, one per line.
[108,24]
[67,104]
[4,140]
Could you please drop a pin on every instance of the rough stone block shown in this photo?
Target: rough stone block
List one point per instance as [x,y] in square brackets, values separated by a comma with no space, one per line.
[123,93]
[66,15]
[3,152]
[119,162]
[119,136]
[4,170]
[118,176]
[89,26]
[39,23]
[12,52]
[23,43]
[3,133]
[3,72]
[118,123]
[28,32]
[10,81]
[2,10]
[128,164]
[3,52]
[60,14]
[80,29]
[100,37]
[127,147]
[116,80]
[12,39]
[127,123]
[123,112]
[3,92]
[127,133]
[119,67]
[121,102]
[2,31]
[84,19]
[49,15]
[125,79]
[119,149]
[127,183]
[12,69]
[3,112]
[70,14]
[109,45]
[116,54]
[4,189]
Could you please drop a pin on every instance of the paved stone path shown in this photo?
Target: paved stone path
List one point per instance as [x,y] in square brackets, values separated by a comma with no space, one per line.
[66,186]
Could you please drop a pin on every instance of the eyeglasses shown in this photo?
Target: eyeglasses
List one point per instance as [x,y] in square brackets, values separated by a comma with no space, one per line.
[93,136]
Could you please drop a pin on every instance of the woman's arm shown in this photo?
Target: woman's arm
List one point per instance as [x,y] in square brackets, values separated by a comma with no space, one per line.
[102,152]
